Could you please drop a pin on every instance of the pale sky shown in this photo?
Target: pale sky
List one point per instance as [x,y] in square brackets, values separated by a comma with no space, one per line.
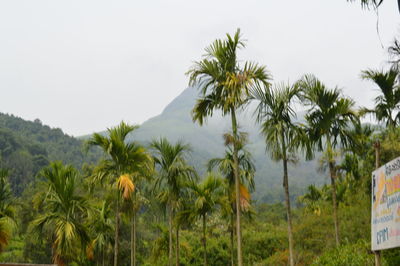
[86,65]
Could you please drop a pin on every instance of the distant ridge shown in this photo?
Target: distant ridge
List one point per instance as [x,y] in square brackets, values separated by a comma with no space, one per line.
[175,123]
[28,146]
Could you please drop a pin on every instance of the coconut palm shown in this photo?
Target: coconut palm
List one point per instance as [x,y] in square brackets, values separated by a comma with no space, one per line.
[225,85]
[125,162]
[387,104]
[207,196]
[7,220]
[173,175]
[64,212]
[329,116]
[282,136]
[225,166]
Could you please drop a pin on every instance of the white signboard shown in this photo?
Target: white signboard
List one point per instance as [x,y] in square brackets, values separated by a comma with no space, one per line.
[385,211]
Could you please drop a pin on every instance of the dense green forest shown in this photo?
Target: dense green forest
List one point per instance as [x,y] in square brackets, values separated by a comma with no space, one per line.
[26,147]
[229,194]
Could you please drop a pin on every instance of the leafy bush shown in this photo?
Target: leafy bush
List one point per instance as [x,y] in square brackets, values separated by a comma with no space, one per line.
[358,254]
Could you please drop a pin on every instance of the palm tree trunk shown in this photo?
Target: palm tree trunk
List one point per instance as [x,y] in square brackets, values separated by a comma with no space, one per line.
[332,173]
[116,249]
[232,241]
[287,200]
[177,246]
[103,259]
[237,189]
[204,240]
[170,237]
[133,239]
[334,200]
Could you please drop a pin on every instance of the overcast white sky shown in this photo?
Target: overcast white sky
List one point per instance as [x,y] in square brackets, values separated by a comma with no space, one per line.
[86,65]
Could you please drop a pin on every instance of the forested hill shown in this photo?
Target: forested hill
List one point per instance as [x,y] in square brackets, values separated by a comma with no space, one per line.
[26,147]
[175,123]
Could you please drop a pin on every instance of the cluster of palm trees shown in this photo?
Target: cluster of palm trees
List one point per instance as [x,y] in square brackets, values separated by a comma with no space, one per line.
[228,86]
[78,226]
[84,227]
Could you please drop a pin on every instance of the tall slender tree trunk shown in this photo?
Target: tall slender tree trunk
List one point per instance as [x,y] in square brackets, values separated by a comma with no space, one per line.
[377,147]
[232,240]
[332,172]
[287,200]
[237,188]
[170,237]
[177,246]
[133,238]
[204,240]
[116,244]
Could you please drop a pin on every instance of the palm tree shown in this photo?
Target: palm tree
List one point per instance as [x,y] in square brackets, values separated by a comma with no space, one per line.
[7,220]
[125,163]
[369,3]
[275,113]
[329,117]
[207,196]
[173,175]
[394,53]
[311,199]
[225,85]
[102,228]
[387,105]
[225,165]
[133,204]
[64,211]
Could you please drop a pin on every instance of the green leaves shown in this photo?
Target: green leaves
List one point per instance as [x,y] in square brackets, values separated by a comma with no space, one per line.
[223,83]
[275,112]
[207,195]
[64,211]
[173,171]
[387,104]
[329,115]
[122,157]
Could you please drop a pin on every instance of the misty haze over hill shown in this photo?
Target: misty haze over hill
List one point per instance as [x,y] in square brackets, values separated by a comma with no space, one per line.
[175,123]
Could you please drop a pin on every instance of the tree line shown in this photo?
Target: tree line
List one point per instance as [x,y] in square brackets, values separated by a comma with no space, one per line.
[78,216]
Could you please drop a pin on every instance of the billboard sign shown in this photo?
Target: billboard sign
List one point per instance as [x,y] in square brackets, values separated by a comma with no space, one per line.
[385,209]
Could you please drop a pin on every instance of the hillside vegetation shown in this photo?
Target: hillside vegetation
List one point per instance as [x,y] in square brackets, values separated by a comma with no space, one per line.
[201,184]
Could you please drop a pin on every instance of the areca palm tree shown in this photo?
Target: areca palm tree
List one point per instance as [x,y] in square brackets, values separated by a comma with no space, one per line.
[125,163]
[132,205]
[64,211]
[369,3]
[7,220]
[311,199]
[173,175]
[225,85]
[225,165]
[387,104]
[207,196]
[282,136]
[329,116]
[102,228]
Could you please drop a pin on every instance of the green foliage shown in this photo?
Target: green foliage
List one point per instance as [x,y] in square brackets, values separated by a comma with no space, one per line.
[387,103]
[357,254]
[64,212]
[26,147]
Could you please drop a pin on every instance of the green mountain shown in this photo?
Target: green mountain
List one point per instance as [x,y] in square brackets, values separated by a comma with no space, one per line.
[26,147]
[175,123]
